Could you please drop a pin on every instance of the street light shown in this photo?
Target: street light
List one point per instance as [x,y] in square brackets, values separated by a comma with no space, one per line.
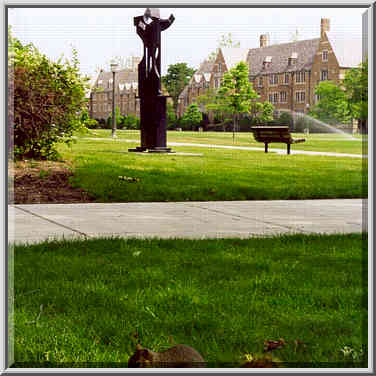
[113,70]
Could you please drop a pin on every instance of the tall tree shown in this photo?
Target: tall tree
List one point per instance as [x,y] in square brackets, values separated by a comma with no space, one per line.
[355,85]
[177,77]
[332,107]
[236,96]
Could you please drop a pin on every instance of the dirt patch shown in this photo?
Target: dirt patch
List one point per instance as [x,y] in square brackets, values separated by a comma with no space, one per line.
[43,182]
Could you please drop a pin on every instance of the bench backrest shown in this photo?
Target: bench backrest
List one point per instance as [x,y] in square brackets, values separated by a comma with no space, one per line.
[271,133]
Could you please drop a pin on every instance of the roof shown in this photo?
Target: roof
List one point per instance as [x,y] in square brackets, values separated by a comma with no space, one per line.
[280,54]
[203,72]
[122,77]
[347,50]
[205,67]
[234,55]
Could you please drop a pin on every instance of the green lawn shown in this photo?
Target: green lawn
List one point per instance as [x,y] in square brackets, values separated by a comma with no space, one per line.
[327,142]
[77,303]
[216,174]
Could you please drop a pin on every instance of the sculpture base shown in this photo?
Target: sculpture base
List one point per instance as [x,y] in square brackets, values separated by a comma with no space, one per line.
[141,149]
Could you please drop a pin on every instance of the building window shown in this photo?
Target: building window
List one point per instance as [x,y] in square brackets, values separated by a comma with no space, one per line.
[317,98]
[219,67]
[300,96]
[273,98]
[325,56]
[324,75]
[286,78]
[273,79]
[260,82]
[283,96]
[300,76]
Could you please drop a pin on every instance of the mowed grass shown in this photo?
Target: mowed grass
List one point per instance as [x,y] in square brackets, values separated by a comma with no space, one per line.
[78,303]
[324,142]
[213,175]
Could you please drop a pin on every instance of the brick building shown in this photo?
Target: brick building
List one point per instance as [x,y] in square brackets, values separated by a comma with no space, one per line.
[126,92]
[198,84]
[286,74]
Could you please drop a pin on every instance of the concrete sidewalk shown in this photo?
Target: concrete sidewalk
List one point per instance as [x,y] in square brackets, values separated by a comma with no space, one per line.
[195,220]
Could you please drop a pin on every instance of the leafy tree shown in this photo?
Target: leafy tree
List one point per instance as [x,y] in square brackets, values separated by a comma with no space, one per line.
[261,113]
[237,97]
[48,99]
[355,85]
[192,117]
[332,106]
[177,77]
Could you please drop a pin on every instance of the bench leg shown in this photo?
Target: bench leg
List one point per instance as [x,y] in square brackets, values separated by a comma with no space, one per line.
[288,148]
[266,147]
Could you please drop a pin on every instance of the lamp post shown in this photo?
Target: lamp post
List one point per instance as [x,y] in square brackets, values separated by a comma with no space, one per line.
[113,70]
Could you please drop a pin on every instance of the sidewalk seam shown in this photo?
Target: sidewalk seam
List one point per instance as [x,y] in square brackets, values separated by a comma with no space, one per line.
[51,221]
[252,219]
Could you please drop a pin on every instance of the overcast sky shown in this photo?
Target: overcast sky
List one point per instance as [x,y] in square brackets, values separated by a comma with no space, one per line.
[101,33]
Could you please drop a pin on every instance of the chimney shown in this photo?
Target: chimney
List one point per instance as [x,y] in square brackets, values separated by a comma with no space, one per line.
[325,26]
[264,40]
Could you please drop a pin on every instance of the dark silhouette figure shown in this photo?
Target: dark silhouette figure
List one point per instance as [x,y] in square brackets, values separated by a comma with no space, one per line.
[152,102]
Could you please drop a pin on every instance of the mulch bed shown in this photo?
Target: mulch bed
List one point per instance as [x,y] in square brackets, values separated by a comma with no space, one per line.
[43,182]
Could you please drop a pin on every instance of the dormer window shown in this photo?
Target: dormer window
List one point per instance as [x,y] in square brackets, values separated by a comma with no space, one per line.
[219,67]
[267,61]
[293,58]
[325,56]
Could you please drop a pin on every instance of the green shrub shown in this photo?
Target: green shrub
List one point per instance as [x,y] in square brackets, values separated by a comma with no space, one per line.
[192,117]
[48,99]
[117,119]
[131,122]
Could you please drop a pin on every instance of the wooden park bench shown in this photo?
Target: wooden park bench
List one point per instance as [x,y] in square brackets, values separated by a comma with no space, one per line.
[276,133]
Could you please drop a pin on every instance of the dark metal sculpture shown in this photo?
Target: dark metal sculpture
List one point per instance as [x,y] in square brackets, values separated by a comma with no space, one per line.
[152,102]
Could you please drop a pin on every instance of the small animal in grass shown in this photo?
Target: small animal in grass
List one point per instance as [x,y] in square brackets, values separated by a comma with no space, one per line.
[178,356]
[265,361]
[260,363]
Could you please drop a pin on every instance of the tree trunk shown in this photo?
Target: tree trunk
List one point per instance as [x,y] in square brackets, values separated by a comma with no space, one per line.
[234,126]
[363,126]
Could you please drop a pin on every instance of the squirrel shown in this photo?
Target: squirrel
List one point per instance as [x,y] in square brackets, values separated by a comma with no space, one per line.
[178,356]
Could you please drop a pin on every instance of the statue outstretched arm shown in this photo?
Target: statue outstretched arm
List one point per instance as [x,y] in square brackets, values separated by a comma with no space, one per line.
[166,23]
